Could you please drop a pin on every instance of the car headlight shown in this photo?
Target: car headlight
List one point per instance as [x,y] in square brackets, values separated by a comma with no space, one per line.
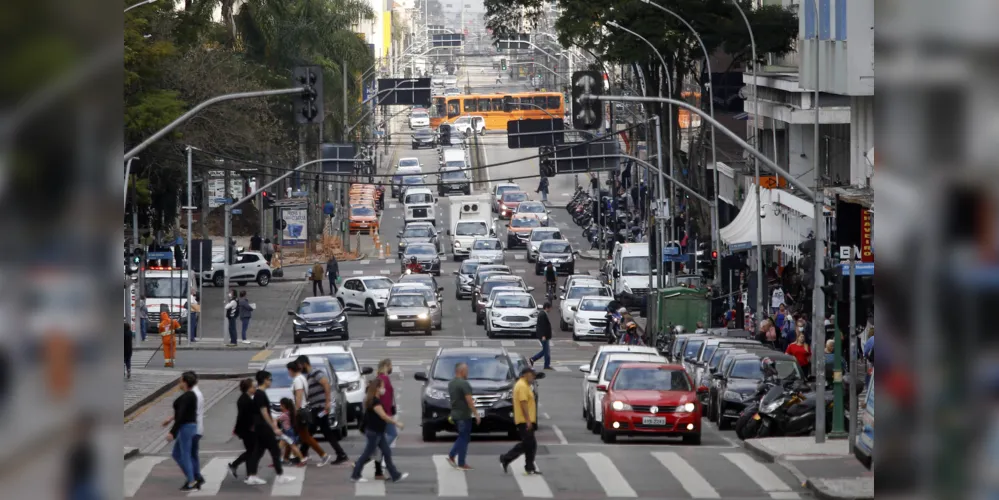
[507,395]
[686,408]
[457,244]
[394,317]
[581,321]
[422,316]
[621,406]
[533,315]
[436,394]
[354,386]
[341,318]
[496,314]
[403,244]
[298,322]
[625,288]
[435,261]
[732,396]
[504,207]
[772,407]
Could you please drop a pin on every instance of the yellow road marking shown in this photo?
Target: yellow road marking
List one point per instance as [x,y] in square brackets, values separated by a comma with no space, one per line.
[261,356]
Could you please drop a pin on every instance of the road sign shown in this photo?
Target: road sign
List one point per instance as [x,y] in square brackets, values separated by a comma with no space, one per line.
[338,152]
[404,91]
[671,251]
[162,255]
[282,224]
[586,157]
[517,41]
[237,211]
[859,268]
[447,40]
[674,258]
[586,115]
[535,133]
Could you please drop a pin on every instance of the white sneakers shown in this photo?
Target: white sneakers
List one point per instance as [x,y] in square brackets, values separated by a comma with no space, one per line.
[246,341]
[255,481]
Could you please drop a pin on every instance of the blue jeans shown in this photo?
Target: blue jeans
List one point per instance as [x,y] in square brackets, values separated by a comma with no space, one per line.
[193,334]
[232,330]
[544,196]
[391,433]
[195,461]
[143,326]
[182,446]
[460,448]
[375,440]
[545,352]
[246,324]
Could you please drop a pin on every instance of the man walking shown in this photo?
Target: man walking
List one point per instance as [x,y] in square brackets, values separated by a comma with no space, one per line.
[245,312]
[192,384]
[462,406]
[320,405]
[317,279]
[525,416]
[545,335]
[266,431]
[332,272]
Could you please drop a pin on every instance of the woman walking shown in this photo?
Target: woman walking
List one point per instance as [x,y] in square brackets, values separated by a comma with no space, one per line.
[185,426]
[245,411]
[195,314]
[266,432]
[374,422]
[801,352]
[129,336]
[231,313]
[387,399]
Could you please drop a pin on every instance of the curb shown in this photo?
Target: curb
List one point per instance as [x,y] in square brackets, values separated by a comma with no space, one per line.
[130,452]
[822,492]
[171,384]
[221,347]
[759,452]
[817,488]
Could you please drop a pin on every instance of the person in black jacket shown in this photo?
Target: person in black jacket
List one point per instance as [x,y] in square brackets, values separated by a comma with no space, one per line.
[266,432]
[128,350]
[185,426]
[545,336]
[245,415]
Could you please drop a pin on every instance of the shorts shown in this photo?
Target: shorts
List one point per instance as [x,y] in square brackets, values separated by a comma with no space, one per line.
[289,436]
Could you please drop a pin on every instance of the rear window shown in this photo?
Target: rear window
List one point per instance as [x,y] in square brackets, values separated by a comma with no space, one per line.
[515,197]
[693,347]
[468,267]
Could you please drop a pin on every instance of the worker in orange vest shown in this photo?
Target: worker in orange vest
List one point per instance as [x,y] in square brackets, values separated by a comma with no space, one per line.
[168,330]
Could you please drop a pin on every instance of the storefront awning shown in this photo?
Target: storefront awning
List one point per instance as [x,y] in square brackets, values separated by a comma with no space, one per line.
[787,222]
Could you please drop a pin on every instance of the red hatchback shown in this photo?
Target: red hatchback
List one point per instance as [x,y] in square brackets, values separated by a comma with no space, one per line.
[647,399]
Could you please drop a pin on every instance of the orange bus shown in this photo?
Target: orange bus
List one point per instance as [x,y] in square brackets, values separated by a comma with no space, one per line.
[445,109]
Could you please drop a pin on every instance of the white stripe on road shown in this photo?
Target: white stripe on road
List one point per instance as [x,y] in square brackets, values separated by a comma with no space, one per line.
[560,368]
[689,478]
[450,481]
[357,344]
[292,489]
[390,261]
[518,256]
[608,475]
[136,472]
[530,486]
[364,262]
[470,343]
[584,344]
[559,434]
[386,272]
[508,343]
[373,487]
[520,271]
[358,272]
[760,474]
[214,473]
[393,343]
[393,206]
[432,343]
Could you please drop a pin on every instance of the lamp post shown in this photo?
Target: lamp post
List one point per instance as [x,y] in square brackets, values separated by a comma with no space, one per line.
[143,2]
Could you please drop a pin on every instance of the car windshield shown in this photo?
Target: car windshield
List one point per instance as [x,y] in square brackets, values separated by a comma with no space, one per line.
[362,211]
[411,162]
[594,304]
[421,116]
[787,368]
[487,245]
[708,351]
[378,283]
[319,307]
[408,300]
[279,374]
[480,367]
[412,179]
[422,290]
[693,347]
[613,365]
[477,228]
[525,222]
[464,120]
[165,288]
[554,247]
[717,357]
[421,250]
[578,292]
[545,235]
[635,266]
[419,198]
[651,379]
[746,369]
[531,208]
[468,267]
[422,134]
[515,197]
[518,301]
[453,175]
[485,275]
[342,362]
[500,191]
[417,232]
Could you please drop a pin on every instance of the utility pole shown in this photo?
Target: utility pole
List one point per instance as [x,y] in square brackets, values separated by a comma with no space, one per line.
[818,296]
[344,236]
[852,348]
[204,205]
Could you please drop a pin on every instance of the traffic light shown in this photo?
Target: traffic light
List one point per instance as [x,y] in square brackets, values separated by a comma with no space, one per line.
[308,105]
[706,260]
[586,115]
[546,161]
[833,279]
[503,64]
[268,198]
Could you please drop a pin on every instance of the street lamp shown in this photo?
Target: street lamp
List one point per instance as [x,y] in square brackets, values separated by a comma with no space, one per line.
[711,109]
[143,2]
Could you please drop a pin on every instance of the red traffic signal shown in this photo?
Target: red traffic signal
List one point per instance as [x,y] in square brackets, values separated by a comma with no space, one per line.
[714,254]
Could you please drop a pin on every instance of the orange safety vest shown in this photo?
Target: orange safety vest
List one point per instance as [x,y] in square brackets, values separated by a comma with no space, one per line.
[167,325]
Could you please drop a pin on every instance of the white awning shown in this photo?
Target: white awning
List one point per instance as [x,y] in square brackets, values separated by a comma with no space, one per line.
[787,222]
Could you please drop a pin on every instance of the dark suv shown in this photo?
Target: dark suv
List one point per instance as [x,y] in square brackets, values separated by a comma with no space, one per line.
[492,373]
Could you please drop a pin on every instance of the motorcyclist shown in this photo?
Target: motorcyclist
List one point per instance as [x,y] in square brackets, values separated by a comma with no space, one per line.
[631,333]
[414,266]
[610,327]
[551,278]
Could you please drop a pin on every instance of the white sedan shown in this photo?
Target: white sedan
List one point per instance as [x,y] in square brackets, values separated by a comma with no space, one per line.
[590,318]
[577,290]
[513,312]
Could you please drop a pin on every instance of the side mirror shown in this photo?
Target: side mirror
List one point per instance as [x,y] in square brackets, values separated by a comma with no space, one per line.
[702,390]
[422,377]
[716,376]
[399,234]
[455,272]
[530,289]
[562,288]
[592,378]
[573,308]
[575,252]
[617,274]
[367,370]
[291,313]
[441,254]
[601,388]
[440,289]
[584,368]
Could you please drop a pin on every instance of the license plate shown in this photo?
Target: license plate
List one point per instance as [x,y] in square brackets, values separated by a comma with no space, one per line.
[653,420]
[408,324]
[480,413]
[364,225]
[756,417]
[319,330]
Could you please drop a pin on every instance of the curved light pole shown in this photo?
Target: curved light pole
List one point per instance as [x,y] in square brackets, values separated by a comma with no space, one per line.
[143,2]
[711,109]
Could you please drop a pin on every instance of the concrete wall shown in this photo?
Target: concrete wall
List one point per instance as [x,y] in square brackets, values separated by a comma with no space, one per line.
[845,46]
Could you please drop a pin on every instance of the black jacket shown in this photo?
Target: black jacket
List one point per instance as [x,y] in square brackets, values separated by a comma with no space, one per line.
[544,326]
[245,412]
[332,268]
[128,339]
[185,411]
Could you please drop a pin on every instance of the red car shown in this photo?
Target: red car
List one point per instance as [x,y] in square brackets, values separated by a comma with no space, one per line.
[650,399]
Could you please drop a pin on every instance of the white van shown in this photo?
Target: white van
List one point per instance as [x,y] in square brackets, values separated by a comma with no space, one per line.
[418,205]
[471,124]
[628,273]
[454,158]
[166,289]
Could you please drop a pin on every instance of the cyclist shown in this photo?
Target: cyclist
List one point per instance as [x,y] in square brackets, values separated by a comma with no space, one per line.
[413,266]
[551,279]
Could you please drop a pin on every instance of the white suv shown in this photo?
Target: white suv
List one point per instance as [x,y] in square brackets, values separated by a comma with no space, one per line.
[368,293]
[249,266]
[347,370]
[469,125]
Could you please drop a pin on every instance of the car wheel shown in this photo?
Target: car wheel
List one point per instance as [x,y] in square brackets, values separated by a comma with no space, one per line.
[694,439]
[572,270]
[346,336]
[218,280]
[296,339]
[592,425]
[719,416]
[429,435]
[575,337]
[711,412]
[565,327]
[607,436]
[584,413]
[457,296]
[429,332]
[537,270]
[263,278]
[388,333]
[369,307]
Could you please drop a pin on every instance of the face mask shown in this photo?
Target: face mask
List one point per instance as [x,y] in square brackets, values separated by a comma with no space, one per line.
[801,328]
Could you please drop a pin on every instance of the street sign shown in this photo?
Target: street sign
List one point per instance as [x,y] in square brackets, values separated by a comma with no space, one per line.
[237,211]
[221,201]
[534,133]
[587,157]
[586,115]
[517,41]
[404,91]
[162,255]
[675,258]
[447,40]
[859,268]
[671,251]
[333,152]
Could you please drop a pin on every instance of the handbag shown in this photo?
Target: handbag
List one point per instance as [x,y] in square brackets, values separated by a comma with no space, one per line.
[304,418]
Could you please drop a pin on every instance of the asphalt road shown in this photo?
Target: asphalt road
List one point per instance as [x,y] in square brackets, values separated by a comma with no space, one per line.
[575,463]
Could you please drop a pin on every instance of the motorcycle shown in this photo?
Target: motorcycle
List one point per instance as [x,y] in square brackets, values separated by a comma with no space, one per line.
[747,426]
[791,413]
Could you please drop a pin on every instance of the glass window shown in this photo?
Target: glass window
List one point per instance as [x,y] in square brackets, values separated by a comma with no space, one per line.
[497,104]
[693,347]
[459,164]
[746,369]
[678,346]
[531,208]
[421,250]
[247,258]
[614,364]
[484,105]
[545,235]
[635,266]
[378,283]
[476,228]
[410,300]
[494,368]
[515,196]
[417,232]
[578,292]
[554,102]
[541,102]
[651,379]
[525,222]
[468,267]
[471,105]
[419,198]
[342,362]
[319,307]
[362,211]
[453,108]
[708,351]
[555,247]
[515,301]
[164,288]
[486,245]
[280,378]
[717,357]
[437,110]
[594,304]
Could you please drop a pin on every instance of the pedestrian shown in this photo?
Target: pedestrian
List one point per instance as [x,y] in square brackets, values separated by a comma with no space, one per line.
[168,334]
[178,254]
[462,406]
[544,333]
[594,186]
[200,424]
[320,400]
[333,273]
[255,242]
[129,336]
[626,175]
[801,352]
[789,331]
[525,416]
[374,423]
[388,404]
[245,312]
[268,250]
[768,333]
[303,418]
[143,314]
[287,421]
[317,279]
[183,430]
[243,429]
[231,313]
[265,431]
[543,189]
[195,312]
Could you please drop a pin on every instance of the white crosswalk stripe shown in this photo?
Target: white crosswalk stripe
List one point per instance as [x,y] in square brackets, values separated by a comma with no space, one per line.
[292,489]
[562,368]
[610,478]
[356,344]
[453,478]
[136,472]
[530,486]
[372,487]
[691,480]
[214,473]
[141,358]
[393,343]
[761,475]
[432,343]
[390,261]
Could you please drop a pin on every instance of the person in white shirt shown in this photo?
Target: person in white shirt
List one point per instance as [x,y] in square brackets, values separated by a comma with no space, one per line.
[195,312]
[195,462]
[300,394]
[231,313]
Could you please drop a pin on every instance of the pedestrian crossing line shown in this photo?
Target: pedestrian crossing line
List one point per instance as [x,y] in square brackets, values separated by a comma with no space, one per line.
[583,344]
[391,206]
[214,473]
[356,344]
[518,256]
[373,487]
[608,475]
[761,475]
[292,489]
[358,272]
[432,343]
[533,486]
[451,482]
[470,343]
[691,480]
[390,261]
[508,343]
[393,343]
[520,271]
[386,272]
[364,262]
[141,358]
[562,368]
[136,472]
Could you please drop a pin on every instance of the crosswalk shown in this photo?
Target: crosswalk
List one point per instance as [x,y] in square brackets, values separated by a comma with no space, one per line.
[409,343]
[624,474]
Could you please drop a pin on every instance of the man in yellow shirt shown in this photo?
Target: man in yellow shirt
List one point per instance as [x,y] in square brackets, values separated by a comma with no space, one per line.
[525,415]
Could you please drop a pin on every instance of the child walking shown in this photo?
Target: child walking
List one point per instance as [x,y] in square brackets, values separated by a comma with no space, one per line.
[289,439]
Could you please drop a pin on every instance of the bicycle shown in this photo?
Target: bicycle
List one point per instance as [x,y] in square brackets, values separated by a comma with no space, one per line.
[550,291]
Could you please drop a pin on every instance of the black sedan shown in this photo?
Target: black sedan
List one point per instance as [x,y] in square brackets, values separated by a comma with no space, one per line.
[559,253]
[418,233]
[424,138]
[319,318]
[426,255]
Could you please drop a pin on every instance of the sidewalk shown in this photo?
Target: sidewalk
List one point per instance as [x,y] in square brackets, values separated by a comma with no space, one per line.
[828,470]
[143,430]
